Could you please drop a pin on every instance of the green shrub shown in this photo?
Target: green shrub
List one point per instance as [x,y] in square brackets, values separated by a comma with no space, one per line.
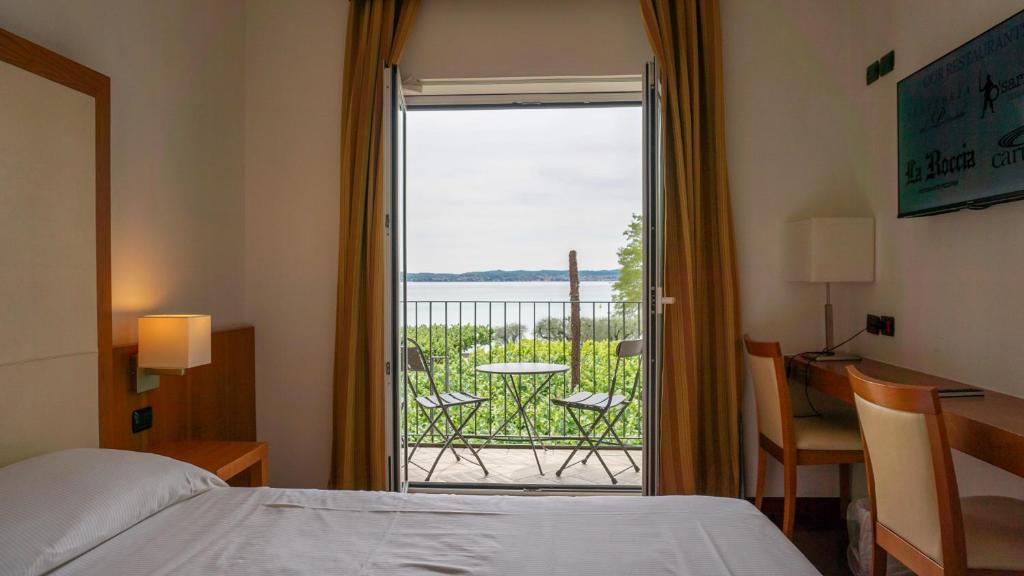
[454,368]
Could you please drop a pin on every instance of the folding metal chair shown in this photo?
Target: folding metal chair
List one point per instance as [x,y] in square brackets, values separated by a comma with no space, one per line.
[438,405]
[602,405]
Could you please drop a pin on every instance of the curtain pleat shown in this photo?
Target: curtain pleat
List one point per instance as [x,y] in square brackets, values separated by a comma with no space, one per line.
[377,31]
[699,428]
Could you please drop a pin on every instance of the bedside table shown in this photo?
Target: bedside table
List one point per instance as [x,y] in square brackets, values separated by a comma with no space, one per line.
[238,463]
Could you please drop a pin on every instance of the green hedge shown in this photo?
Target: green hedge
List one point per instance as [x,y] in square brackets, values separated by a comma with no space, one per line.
[467,346]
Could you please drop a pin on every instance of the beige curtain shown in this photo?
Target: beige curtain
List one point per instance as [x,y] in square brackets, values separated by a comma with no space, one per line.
[699,426]
[377,30]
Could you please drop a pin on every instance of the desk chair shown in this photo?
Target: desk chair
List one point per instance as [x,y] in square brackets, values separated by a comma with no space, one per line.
[602,405]
[919,516]
[796,441]
[437,406]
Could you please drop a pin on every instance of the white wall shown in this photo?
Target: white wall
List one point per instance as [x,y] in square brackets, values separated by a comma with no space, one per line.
[788,81]
[293,77]
[952,281]
[787,76]
[176,72]
[788,87]
[502,39]
[210,99]
[806,136]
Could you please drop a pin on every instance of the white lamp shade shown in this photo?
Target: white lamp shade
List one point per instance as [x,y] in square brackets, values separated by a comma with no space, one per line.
[830,250]
[174,341]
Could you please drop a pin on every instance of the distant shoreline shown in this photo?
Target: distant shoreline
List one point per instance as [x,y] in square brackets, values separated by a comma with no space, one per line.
[514,276]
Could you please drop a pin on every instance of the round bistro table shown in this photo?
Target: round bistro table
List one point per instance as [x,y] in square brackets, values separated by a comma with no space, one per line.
[508,372]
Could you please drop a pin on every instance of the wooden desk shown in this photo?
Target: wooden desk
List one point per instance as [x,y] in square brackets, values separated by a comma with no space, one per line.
[990,427]
[240,463]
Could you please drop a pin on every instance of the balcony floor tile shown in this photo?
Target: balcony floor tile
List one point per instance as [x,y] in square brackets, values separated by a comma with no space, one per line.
[516,466]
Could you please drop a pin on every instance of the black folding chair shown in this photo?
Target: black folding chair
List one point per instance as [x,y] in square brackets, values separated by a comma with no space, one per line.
[437,405]
[602,405]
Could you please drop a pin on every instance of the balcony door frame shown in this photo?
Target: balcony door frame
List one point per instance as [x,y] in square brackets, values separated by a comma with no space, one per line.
[393,143]
[654,268]
[623,91]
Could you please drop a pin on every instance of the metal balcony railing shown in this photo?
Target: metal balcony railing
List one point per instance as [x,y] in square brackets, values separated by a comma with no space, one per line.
[459,335]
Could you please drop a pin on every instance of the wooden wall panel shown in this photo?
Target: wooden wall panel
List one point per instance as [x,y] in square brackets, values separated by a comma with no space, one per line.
[223,393]
[212,402]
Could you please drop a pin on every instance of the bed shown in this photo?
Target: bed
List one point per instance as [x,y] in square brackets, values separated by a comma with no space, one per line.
[98,511]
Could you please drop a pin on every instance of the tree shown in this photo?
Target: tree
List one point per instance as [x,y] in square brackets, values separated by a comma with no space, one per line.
[623,324]
[509,333]
[629,286]
[552,329]
[439,339]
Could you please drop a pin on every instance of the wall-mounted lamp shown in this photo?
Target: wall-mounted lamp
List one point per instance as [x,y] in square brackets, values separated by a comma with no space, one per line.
[169,344]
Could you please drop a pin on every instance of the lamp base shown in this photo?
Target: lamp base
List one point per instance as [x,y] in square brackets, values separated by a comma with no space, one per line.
[836,356]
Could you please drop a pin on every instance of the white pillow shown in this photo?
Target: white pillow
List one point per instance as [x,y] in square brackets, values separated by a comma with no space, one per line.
[56,506]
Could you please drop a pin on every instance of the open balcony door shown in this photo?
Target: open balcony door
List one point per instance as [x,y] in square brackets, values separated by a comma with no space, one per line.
[394,126]
[395,290]
[654,300]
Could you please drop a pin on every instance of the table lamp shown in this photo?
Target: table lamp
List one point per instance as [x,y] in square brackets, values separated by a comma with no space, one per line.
[827,250]
[169,344]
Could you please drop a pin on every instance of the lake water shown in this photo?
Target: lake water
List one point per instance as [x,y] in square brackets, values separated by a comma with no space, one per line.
[507,291]
[500,303]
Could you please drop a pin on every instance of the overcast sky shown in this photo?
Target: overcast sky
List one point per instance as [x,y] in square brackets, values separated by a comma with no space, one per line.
[517,189]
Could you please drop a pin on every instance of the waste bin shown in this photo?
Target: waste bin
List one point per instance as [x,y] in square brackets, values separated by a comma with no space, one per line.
[862,539]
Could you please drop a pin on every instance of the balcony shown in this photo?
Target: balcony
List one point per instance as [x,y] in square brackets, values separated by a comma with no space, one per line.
[459,336]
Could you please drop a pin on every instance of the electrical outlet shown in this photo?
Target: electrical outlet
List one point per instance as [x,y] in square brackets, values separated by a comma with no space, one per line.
[142,419]
[872,72]
[886,63]
[874,325]
[888,326]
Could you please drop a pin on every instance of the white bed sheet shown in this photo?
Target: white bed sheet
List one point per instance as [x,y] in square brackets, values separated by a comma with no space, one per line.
[277,532]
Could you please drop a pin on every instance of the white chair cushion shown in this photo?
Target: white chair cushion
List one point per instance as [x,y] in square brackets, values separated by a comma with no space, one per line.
[994,532]
[829,432]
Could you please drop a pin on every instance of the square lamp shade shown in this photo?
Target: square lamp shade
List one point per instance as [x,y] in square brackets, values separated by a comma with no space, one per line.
[827,250]
[174,341]
[830,250]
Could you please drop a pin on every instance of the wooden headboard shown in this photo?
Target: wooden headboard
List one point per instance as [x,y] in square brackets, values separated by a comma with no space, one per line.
[212,402]
[55,322]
